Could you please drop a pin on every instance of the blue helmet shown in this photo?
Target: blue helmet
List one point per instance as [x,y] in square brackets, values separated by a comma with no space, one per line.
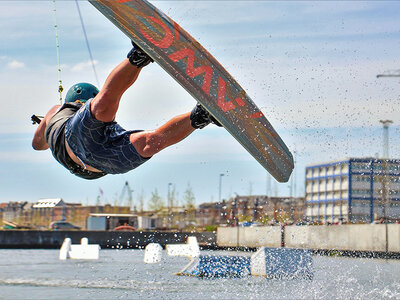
[82,92]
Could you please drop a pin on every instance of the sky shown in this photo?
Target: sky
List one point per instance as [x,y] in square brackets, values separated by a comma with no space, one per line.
[310,66]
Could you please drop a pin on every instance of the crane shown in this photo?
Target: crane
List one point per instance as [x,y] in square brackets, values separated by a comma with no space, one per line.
[126,190]
[389,73]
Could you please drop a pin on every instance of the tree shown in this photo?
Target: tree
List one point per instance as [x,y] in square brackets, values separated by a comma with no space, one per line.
[140,201]
[189,203]
[156,202]
[173,219]
[188,198]
[172,197]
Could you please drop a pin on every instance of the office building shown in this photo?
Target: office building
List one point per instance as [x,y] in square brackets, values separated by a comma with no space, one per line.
[353,190]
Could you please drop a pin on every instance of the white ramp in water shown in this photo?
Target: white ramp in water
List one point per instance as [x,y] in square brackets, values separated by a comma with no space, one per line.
[79,251]
[190,250]
[280,263]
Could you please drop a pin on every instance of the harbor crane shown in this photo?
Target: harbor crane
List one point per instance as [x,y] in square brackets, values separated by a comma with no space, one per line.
[389,73]
[126,190]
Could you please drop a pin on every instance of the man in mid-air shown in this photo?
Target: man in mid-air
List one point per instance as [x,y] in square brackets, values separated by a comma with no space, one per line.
[84,137]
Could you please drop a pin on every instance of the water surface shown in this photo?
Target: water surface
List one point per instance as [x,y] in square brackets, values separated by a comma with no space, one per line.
[38,274]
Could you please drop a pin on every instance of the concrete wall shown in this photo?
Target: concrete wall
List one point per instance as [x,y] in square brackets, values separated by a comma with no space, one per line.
[106,239]
[360,237]
[363,237]
[394,237]
[249,236]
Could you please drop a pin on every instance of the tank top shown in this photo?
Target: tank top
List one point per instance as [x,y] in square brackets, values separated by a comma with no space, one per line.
[55,136]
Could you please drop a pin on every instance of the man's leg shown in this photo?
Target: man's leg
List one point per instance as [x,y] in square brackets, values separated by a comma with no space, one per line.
[148,143]
[105,105]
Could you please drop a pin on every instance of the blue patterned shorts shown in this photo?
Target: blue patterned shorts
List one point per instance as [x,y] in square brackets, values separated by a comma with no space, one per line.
[102,145]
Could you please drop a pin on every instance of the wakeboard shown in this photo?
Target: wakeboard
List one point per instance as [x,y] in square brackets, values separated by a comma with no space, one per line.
[192,66]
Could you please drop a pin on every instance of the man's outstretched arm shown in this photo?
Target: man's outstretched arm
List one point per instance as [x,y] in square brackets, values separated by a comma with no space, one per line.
[39,139]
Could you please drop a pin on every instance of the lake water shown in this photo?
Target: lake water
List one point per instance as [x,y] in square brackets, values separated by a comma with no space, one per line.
[121,274]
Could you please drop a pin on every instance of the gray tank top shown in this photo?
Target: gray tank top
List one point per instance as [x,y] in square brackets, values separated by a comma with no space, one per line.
[55,136]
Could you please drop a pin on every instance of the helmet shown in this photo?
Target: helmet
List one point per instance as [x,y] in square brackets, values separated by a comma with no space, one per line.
[81,91]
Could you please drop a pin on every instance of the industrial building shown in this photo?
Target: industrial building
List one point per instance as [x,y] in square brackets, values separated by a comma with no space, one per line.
[353,190]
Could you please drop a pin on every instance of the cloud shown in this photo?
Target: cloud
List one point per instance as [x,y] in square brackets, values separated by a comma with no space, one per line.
[83,65]
[25,157]
[335,7]
[15,65]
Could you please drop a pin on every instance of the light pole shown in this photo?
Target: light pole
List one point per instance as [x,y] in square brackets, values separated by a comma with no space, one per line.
[386,124]
[220,185]
[385,183]
[391,73]
[169,205]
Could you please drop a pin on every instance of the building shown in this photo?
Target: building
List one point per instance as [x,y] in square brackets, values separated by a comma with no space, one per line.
[257,209]
[267,210]
[48,209]
[104,221]
[40,214]
[211,213]
[17,212]
[353,190]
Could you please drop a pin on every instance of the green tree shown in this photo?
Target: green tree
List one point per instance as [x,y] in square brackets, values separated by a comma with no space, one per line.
[156,202]
[140,201]
[189,198]
[172,218]
[189,203]
[172,197]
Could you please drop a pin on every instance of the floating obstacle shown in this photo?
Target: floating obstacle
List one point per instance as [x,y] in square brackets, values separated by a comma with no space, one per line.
[190,250]
[218,266]
[279,263]
[79,251]
[282,263]
[152,253]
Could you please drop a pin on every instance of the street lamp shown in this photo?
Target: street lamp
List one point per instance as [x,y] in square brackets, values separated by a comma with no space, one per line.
[220,185]
[385,183]
[390,73]
[169,205]
[386,124]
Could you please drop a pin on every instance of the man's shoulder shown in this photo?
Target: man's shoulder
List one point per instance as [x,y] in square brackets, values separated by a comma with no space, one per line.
[54,109]
[72,106]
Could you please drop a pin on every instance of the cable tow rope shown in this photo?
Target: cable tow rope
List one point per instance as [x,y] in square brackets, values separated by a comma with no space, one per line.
[87,43]
[60,87]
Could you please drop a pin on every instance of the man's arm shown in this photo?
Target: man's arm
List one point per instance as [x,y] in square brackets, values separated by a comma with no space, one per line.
[39,140]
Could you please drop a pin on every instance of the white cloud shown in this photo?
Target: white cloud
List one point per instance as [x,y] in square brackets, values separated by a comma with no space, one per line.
[15,65]
[25,157]
[83,65]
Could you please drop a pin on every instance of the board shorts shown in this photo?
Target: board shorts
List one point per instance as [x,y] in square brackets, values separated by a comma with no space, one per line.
[102,145]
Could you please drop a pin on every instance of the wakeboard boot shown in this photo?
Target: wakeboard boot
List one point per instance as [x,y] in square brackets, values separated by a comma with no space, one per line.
[200,117]
[138,57]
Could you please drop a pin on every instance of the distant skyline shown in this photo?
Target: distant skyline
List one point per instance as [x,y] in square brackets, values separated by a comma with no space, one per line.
[310,66]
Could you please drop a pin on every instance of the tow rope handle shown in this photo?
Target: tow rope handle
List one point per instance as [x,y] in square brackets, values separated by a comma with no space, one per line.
[36,119]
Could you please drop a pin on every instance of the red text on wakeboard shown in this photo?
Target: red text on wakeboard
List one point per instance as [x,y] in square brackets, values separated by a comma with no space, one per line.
[180,51]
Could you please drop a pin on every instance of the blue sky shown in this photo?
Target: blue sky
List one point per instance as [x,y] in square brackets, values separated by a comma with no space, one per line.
[310,66]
